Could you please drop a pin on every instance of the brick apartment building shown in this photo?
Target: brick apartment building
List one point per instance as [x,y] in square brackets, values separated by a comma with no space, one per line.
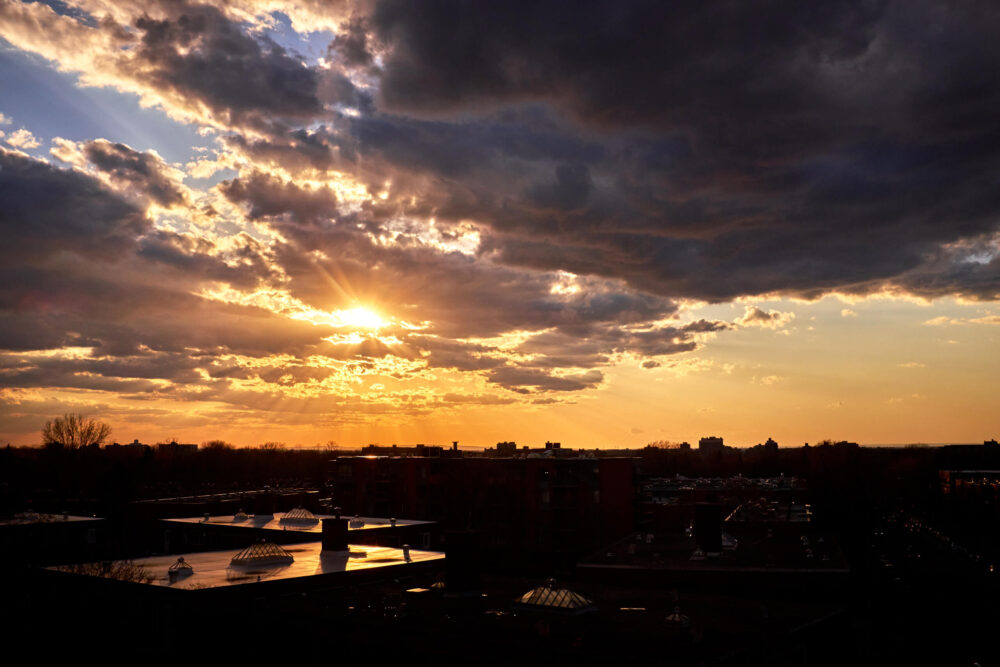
[523,505]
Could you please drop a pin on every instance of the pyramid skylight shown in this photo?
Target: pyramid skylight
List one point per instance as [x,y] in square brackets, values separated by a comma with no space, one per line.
[300,516]
[262,553]
[551,598]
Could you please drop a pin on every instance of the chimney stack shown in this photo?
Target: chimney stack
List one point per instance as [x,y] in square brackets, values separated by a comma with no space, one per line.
[708,527]
[334,534]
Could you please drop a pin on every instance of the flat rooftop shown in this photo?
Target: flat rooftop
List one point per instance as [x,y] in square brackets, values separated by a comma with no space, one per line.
[31,518]
[762,553]
[273,522]
[212,569]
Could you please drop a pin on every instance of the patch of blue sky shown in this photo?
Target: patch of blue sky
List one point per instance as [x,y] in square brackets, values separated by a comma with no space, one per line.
[49,103]
[310,46]
[210,181]
[64,9]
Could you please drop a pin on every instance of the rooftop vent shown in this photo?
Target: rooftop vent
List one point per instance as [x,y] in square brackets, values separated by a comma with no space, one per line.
[300,516]
[240,516]
[357,522]
[262,553]
[677,618]
[179,569]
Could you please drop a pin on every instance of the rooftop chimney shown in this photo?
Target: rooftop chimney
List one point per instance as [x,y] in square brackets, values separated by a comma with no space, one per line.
[708,527]
[334,534]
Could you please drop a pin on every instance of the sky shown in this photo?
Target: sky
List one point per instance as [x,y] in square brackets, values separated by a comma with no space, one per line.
[403,222]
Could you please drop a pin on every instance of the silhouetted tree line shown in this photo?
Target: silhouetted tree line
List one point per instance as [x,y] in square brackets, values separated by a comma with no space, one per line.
[847,481]
[103,480]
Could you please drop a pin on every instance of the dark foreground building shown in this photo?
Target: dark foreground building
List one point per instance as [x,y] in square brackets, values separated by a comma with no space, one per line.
[38,538]
[523,507]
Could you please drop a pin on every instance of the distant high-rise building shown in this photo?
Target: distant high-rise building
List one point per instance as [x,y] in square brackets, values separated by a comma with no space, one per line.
[711,444]
[506,448]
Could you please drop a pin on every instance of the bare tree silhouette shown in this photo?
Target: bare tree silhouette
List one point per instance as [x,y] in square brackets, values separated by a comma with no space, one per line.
[73,430]
[122,570]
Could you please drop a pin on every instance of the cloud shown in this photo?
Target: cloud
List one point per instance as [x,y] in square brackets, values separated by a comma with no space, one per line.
[268,196]
[525,193]
[769,195]
[951,321]
[190,59]
[151,330]
[22,139]
[525,379]
[755,317]
[847,312]
[44,210]
[145,172]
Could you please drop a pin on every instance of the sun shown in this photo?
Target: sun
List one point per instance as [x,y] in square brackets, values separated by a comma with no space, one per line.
[360,318]
[357,319]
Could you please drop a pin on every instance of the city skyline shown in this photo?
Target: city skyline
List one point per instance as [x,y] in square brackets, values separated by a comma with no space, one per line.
[423,222]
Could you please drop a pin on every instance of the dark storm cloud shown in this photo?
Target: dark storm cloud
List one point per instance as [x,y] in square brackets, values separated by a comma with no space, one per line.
[794,148]
[657,151]
[351,47]
[267,196]
[618,63]
[199,55]
[296,151]
[244,266]
[593,347]
[445,353]
[558,202]
[44,210]
[143,171]
[972,280]
[524,379]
